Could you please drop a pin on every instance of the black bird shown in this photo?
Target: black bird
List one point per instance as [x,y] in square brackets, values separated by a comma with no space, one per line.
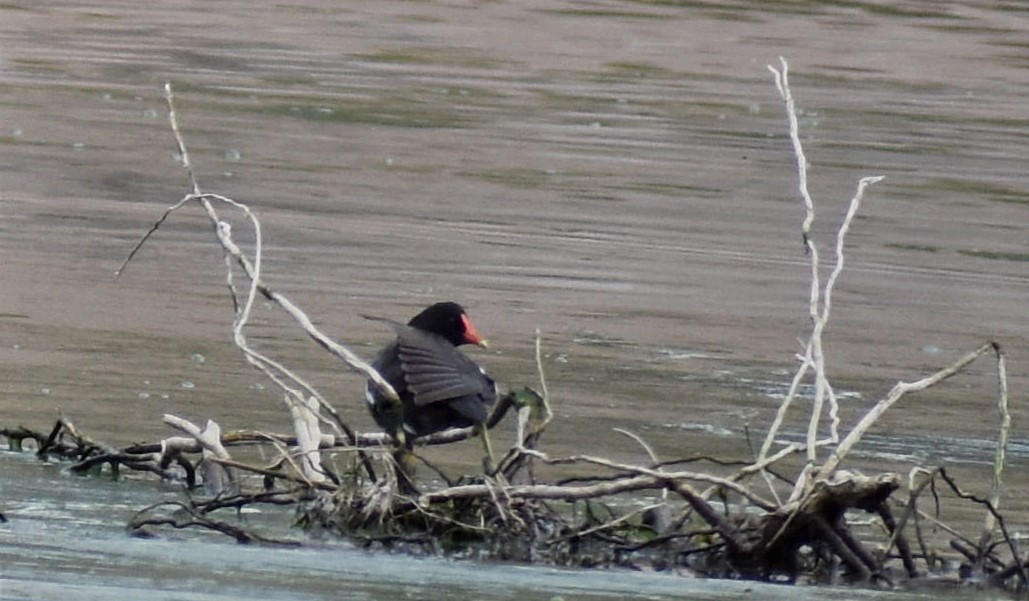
[439,387]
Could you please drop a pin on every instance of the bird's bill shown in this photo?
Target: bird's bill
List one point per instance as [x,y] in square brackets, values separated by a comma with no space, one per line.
[471,334]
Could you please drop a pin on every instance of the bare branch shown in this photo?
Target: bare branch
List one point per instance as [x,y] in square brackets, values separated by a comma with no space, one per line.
[896,393]
[820,300]
[1002,444]
[783,85]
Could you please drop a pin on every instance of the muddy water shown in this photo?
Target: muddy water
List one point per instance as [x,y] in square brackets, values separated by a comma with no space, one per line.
[613,173]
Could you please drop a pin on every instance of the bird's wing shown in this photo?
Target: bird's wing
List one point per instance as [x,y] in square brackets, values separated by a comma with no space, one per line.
[436,371]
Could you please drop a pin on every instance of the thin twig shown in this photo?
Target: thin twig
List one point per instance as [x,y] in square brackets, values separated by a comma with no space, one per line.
[1022,573]
[783,85]
[896,393]
[1002,443]
[543,383]
[174,122]
[153,228]
[650,453]
[671,476]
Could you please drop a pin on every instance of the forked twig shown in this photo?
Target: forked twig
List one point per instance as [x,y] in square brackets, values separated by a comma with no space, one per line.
[283,377]
[992,510]
[820,301]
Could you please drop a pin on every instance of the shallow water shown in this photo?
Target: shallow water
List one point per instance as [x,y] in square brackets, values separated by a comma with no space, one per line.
[613,173]
[64,541]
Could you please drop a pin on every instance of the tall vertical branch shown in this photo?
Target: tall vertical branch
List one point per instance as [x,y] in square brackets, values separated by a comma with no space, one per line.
[820,301]
[549,414]
[813,356]
[782,83]
[1002,446]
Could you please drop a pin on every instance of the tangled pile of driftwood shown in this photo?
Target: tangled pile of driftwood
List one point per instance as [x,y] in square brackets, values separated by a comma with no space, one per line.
[747,521]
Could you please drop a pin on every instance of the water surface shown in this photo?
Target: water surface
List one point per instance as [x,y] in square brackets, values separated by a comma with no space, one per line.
[614,173]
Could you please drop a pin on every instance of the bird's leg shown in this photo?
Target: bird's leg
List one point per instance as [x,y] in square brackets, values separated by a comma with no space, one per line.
[491,471]
[488,462]
[403,459]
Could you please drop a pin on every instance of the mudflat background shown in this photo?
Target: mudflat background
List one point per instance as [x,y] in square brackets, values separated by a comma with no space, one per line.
[616,174]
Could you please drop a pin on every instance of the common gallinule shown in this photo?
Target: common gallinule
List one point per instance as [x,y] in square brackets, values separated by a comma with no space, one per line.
[439,387]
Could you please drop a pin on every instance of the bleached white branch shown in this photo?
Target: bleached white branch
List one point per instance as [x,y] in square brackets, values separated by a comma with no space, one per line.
[820,299]
[543,381]
[999,459]
[279,374]
[218,478]
[898,391]
[782,83]
[309,437]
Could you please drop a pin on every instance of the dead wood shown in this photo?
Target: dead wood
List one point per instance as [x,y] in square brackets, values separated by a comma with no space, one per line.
[898,538]
[189,516]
